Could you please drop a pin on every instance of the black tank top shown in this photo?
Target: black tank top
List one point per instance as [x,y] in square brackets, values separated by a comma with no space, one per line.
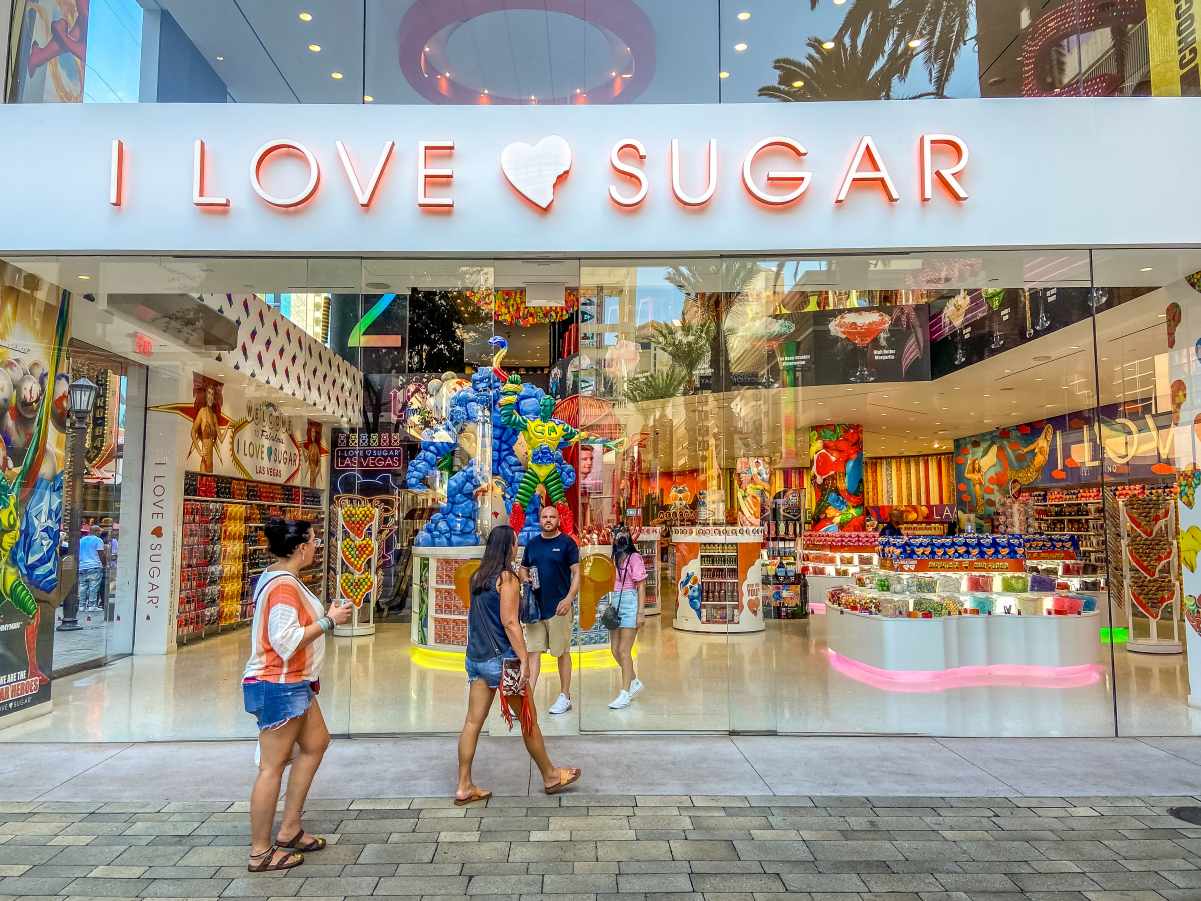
[486,636]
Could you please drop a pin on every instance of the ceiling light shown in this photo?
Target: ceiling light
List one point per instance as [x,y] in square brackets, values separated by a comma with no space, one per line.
[306,17]
[427,49]
[316,48]
[613,74]
[915,43]
[828,45]
[798,84]
[1145,269]
[723,74]
[220,59]
[447,74]
[743,16]
[336,76]
[367,98]
[84,278]
[740,47]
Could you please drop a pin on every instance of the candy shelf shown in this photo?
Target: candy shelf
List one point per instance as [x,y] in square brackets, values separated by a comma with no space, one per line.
[718,578]
[648,546]
[223,552]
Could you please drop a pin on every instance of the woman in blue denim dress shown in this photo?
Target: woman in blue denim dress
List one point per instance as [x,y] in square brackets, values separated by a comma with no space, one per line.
[494,634]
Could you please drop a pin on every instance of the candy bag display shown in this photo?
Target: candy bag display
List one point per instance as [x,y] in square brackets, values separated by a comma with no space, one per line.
[1030,606]
[979,582]
[1041,582]
[982,602]
[1015,583]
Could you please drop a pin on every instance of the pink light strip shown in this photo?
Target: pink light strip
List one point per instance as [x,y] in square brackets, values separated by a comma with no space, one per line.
[1010,675]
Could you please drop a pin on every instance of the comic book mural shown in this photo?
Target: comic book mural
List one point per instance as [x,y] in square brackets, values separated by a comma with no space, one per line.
[1131,444]
[51,51]
[836,476]
[33,401]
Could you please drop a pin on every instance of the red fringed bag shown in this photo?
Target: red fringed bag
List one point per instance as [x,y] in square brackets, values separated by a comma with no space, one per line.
[515,700]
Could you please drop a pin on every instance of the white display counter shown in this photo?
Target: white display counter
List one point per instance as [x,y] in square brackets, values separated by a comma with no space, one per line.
[718,579]
[959,651]
[439,616]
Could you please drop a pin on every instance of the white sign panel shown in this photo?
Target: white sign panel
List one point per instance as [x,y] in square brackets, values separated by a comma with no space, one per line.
[764,178]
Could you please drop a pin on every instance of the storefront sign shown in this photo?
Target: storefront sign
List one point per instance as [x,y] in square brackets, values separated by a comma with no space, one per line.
[366,450]
[263,446]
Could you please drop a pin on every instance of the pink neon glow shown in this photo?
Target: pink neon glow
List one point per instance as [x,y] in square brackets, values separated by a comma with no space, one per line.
[997,675]
[818,607]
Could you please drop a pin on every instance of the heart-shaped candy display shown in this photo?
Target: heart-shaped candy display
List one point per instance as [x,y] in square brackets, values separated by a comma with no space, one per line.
[533,171]
[357,519]
[355,587]
[357,552]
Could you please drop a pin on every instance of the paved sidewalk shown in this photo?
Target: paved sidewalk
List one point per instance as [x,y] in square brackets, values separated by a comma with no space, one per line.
[592,846]
[628,765]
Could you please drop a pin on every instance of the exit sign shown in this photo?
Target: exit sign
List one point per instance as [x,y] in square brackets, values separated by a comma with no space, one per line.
[142,344]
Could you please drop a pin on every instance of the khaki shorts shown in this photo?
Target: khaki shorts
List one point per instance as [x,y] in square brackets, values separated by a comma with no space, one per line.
[549,635]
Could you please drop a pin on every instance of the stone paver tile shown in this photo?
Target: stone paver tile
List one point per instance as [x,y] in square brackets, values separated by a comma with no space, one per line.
[504,885]
[398,853]
[184,888]
[974,883]
[473,852]
[859,850]
[1054,882]
[1074,850]
[776,850]
[823,882]
[336,886]
[116,872]
[426,885]
[703,850]
[639,867]
[654,883]
[999,850]
[1145,880]
[644,850]
[529,852]
[901,882]
[1133,848]
[32,885]
[95,855]
[262,886]
[735,882]
[152,856]
[579,884]
[13,869]
[121,888]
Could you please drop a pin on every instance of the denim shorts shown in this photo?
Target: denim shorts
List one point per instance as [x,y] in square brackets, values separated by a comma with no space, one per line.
[627,606]
[488,670]
[274,703]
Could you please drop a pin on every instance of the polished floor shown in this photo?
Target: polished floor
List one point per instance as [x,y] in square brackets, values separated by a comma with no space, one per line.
[780,680]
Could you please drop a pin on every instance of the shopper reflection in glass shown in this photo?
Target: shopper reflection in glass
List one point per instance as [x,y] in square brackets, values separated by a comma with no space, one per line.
[892,528]
[494,635]
[279,687]
[631,572]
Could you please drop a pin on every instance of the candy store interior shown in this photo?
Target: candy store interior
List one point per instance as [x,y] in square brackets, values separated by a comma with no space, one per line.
[937,493]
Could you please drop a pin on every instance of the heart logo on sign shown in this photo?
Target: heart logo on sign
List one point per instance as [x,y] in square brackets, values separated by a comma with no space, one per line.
[357,551]
[157,531]
[534,171]
[355,587]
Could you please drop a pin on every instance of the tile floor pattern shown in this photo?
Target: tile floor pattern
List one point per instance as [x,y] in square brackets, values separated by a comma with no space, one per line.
[1107,848]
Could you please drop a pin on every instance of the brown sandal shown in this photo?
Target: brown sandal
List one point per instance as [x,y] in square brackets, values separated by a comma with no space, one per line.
[476,796]
[317,844]
[573,775]
[268,864]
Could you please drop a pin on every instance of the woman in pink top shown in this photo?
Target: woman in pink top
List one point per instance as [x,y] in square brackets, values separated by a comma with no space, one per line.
[631,572]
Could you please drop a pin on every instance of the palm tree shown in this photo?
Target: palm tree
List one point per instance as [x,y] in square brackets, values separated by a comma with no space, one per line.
[656,385]
[941,27]
[687,343]
[710,287]
[845,73]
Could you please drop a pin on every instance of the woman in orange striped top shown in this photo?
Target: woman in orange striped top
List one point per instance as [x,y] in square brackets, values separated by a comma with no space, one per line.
[279,686]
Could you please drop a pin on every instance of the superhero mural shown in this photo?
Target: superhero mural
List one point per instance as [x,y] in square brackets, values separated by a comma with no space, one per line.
[51,51]
[33,407]
[836,478]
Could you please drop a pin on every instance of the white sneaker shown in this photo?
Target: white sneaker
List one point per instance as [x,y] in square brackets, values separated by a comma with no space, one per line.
[562,705]
[620,702]
[635,687]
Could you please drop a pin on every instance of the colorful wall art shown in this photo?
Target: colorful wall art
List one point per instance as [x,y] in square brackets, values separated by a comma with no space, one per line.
[908,481]
[836,478]
[33,408]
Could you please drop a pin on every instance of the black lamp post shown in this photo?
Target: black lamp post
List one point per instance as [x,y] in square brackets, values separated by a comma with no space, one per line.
[81,397]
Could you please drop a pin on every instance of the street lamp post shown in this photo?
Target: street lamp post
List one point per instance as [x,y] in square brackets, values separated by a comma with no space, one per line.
[81,396]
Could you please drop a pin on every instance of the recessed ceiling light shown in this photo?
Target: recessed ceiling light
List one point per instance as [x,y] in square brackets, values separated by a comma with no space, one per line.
[827,45]
[336,76]
[1145,269]
[740,47]
[447,74]
[723,74]
[220,59]
[85,278]
[613,74]
[367,98]
[427,49]
[306,17]
[315,48]
[743,16]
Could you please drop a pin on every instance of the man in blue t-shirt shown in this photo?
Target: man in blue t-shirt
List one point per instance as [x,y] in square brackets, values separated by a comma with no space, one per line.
[551,563]
[92,563]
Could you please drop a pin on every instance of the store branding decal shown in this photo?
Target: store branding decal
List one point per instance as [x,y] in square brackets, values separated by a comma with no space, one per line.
[264,446]
[534,171]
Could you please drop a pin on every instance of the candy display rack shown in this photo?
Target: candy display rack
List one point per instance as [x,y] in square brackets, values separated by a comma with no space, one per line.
[718,577]
[223,551]
[1151,573]
[1078,512]
[647,543]
[832,559]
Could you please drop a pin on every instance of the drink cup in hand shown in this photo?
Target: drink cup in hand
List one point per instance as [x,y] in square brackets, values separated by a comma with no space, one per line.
[340,613]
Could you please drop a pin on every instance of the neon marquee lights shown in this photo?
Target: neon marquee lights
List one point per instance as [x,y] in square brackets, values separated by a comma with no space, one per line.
[693,172]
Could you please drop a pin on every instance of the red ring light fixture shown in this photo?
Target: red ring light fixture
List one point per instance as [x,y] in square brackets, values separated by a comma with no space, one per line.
[426,28]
